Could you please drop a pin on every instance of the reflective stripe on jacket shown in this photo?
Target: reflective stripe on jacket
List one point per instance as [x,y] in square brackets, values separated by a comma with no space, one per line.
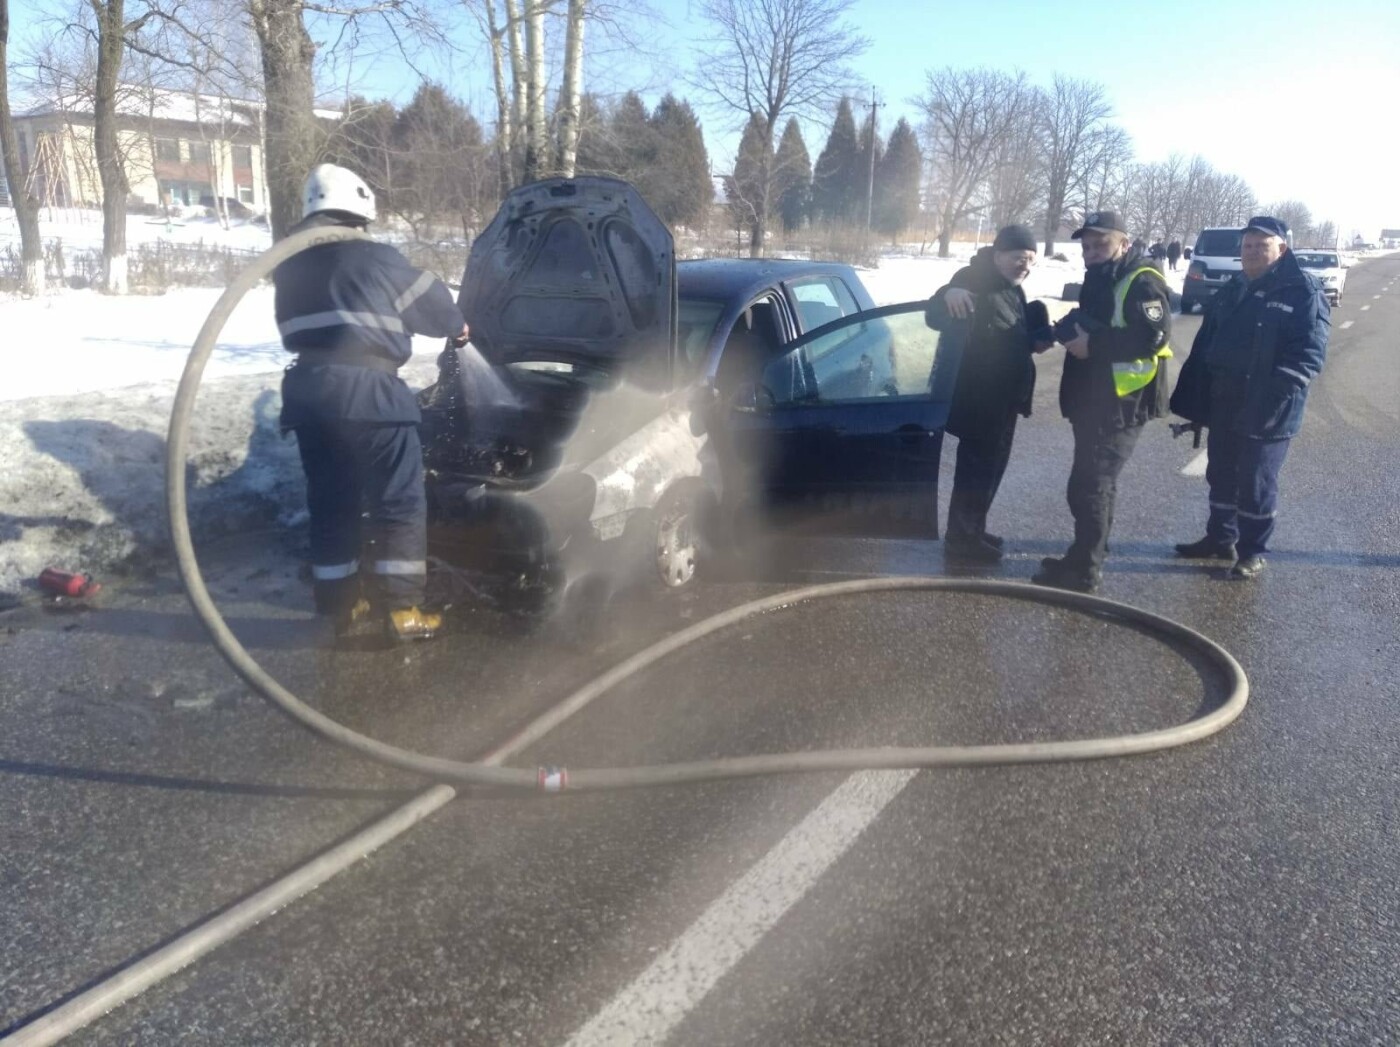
[1131,375]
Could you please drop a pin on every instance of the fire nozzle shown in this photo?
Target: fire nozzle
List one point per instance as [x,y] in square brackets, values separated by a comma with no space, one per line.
[67,583]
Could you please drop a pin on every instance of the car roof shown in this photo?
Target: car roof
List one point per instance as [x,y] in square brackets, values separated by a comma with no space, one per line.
[727,278]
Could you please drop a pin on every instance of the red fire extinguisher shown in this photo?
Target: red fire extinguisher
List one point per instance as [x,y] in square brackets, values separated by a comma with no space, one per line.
[66,583]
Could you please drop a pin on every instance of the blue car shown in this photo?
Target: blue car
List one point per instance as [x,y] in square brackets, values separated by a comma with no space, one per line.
[617,410]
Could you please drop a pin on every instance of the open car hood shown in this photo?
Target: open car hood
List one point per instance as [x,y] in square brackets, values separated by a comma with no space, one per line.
[578,270]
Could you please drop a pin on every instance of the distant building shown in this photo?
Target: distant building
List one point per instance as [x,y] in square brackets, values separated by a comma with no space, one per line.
[178,149]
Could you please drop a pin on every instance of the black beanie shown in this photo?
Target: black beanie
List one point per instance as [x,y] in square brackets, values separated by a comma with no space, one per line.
[1014,238]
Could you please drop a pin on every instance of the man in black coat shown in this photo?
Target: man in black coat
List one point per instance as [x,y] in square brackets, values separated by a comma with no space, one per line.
[1114,380]
[984,307]
[1262,342]
[1173,253]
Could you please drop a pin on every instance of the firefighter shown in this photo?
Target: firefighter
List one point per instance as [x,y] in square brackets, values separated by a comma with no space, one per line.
[348,310]
[1114,380]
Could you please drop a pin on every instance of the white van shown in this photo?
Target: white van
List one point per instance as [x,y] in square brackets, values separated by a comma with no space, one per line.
[1214,259]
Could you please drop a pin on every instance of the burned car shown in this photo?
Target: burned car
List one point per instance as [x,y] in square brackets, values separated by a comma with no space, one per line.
[615,408]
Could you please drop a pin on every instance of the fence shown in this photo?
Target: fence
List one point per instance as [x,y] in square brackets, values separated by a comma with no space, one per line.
[155,266]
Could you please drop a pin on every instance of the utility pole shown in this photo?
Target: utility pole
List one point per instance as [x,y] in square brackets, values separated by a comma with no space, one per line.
[873,105]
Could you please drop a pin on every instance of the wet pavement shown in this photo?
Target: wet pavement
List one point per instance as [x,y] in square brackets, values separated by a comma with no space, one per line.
[1240,890]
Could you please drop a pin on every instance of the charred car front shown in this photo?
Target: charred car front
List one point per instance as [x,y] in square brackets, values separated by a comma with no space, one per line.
[611,402]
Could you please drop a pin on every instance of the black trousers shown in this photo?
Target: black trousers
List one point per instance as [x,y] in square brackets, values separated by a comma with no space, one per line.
[358,470]
[981,464]
[1099,456]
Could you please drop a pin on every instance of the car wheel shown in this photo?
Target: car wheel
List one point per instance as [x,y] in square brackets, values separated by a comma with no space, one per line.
[1186,306]
[675,546]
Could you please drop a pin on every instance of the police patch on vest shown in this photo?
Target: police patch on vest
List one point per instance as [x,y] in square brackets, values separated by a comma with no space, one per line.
[1153,311]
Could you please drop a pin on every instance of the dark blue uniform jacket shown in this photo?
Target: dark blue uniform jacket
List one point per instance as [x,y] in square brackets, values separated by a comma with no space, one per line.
[357,303]
[1273,330]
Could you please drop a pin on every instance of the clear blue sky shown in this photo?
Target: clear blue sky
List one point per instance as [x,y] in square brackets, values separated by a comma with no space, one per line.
[1298,97]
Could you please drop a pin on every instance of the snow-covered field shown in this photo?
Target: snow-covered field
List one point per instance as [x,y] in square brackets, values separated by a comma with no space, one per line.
[89,381]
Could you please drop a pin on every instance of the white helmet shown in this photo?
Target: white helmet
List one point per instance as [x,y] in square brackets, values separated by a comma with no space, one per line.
[332,188]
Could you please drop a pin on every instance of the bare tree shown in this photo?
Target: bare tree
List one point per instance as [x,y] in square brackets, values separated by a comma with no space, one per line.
[566,152]
[1015,184]
[773,58]
[1296,214]
[1107,170]
[969,116]
[26,208]
[293,139]
[1075,110]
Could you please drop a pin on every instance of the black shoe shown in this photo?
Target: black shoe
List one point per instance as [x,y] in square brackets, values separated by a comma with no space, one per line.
[1206,549]
[970,551]
[1248,569]
[1058,576]
[996,541]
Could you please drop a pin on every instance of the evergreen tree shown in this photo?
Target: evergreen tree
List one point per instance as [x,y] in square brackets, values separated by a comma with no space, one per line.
[897,180]
[443,167]
[680,190]
[633,139]
[744,189]
[792,175]
[596,154]
[866,171]
[835,183]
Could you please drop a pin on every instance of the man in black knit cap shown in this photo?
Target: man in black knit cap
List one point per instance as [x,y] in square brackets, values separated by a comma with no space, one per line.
[984,309]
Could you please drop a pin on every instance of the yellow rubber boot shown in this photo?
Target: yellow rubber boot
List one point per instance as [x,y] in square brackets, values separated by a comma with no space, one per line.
[347,622]
[409,623]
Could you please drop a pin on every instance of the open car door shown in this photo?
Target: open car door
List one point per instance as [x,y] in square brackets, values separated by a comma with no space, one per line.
[847,421]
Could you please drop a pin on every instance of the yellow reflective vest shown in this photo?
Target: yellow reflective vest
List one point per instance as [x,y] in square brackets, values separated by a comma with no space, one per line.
[1132,375]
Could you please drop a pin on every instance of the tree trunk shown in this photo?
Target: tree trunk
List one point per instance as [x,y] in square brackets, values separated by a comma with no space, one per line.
[291,145]
[519,81]
[504,124]
[26,207]
[111,29]
[1053,212]
[536,141]
[567,154]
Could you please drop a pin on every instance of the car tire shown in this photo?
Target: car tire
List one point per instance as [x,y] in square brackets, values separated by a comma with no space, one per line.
[676,544]
[1186,306]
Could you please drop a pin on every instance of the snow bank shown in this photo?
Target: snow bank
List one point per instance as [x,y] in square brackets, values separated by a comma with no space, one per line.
[82,477]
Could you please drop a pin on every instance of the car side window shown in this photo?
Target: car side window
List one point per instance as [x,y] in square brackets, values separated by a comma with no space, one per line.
[890,355]
[822,299]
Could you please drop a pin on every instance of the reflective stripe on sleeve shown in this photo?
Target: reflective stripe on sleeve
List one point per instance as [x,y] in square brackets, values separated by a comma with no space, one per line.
[420,287]
[400,566]
[1255,516]
[332,572]
[1294,374]
[339,318]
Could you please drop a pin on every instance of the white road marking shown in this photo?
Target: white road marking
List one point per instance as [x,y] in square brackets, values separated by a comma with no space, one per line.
[662,995]
[1347,323]
[1375,296]
[1364,308]
[1196,466]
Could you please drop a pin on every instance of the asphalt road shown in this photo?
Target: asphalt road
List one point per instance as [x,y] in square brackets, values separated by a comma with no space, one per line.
[1242,890]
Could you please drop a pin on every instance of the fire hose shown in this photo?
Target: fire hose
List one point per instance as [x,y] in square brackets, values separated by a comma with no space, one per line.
[554,779]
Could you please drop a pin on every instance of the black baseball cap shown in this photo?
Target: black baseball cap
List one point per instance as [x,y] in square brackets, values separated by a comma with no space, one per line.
[1269,225]
[1101,222]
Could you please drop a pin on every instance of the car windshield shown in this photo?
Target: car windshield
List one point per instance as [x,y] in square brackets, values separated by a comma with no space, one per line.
[1316,260]
[695,323]
[1219,243]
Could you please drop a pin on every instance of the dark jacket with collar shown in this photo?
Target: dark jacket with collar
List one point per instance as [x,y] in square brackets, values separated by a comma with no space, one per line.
[996,376]
[354,305]
[1279,324]
[1087,392]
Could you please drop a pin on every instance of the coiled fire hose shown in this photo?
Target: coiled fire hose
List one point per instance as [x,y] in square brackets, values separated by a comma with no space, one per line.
[554,779]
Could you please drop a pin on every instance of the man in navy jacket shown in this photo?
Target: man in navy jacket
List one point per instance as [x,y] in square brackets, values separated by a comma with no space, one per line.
[1262,342]
[348,309]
